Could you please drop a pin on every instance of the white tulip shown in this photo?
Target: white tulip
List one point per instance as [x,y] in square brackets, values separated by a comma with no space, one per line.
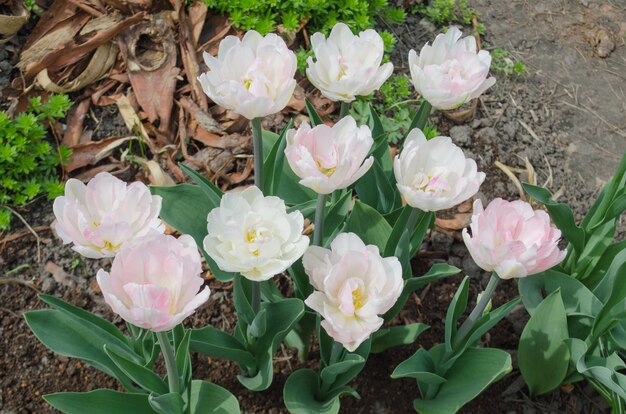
[105,214]
[434,174]
[346,65]
[254,235]
[354,285]
[253,77]
[450,72]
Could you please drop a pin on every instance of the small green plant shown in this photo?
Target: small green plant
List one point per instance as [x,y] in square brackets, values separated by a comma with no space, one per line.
[302,55]
[28,163]
[502,63]
[445,12]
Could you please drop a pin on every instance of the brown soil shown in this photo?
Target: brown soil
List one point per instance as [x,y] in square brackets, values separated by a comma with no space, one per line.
[573,101]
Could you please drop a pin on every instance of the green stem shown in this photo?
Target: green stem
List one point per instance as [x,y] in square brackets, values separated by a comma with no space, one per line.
[170,362]
[477,312]
[318,231]
[345,109]
[257,144]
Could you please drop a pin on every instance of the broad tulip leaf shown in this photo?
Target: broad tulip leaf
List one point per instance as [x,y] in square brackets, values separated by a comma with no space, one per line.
[384,339]
[141,375]
[302,394]
[595,245]
[213,193]
[169,403]
[542,347]
[208,398]
[335,217]
[183,361]
[422,224]
[455,310]
[283,316]
[101,323]
[561,215]
[342,372]
[274,161]
[70,336]
[376,190]
[369,225]
[219,344]
[102,401]
[186,207]
[380,149]
[614,281]
[471,374]
[421,367]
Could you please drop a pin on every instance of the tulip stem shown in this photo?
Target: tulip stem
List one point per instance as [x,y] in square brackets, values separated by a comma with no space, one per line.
[318,230]
[170,362]
[477,312]
[257,144]
[345,109]
[256,297]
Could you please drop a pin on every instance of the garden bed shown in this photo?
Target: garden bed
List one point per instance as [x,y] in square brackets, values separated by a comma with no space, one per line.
[576,145]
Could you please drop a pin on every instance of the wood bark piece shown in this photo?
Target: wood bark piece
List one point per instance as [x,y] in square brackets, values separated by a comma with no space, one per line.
[150,54]
[12,22]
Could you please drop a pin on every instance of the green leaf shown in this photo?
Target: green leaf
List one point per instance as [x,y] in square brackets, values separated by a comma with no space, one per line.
[542,348]
[142,376]
[561,215]
[242,294]
[342,372]
[101,323]
[207,398]
[313,116]
[421,116]
[102,401]
[420,366]
[213,193]
[381,146]
[335,217]
[614,281]
[170,403]
[284,316]
[219,344]
[258,326]
[302,394]
[376,190]
[183,361]
[455,310]
[384,339]
[471,374]
[274,162]
[71,336]
[186,207]
[369,225]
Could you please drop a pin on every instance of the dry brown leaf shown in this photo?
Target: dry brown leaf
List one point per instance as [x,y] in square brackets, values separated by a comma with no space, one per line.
[132,121]
[75,120]
[458,222]
[60,276]
[297,99]
[92,152]
[11,22]
[58,11]
[197,17]
[461,116]
[150,54]
[189,57]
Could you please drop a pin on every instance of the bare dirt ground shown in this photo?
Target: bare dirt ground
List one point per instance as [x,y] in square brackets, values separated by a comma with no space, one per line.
[566,115]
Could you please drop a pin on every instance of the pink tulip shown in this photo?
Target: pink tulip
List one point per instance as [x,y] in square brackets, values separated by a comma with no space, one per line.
[512,239]
[327,159]
[353,285]
[154,282]
[106,213]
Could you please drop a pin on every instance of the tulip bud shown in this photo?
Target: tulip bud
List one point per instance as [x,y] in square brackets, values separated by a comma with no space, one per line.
[512,239]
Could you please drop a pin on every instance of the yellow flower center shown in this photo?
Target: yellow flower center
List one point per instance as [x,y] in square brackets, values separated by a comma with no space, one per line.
[326,171]
[247,82]
[110,246]
[251,236]
[357,299]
